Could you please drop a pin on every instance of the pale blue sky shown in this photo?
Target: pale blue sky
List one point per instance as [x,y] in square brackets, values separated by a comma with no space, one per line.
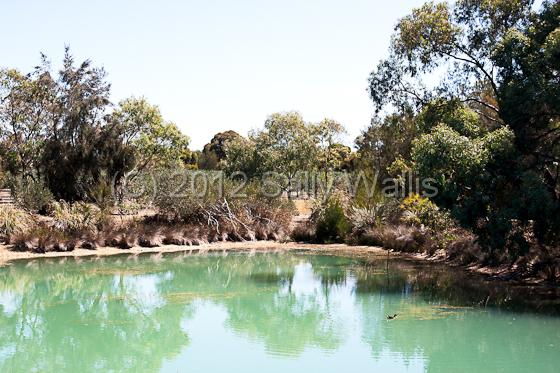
[215,65]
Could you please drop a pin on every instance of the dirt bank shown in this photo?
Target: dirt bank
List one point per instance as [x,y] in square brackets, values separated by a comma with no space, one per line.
[502,273]
[6,255]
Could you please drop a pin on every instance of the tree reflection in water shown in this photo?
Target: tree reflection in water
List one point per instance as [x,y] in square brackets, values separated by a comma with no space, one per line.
[129,313]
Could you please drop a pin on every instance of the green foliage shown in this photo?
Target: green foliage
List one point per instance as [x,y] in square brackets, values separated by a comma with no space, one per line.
[454,114]
[462,167]
[288,145]
[128,208]
[214,153]
[102,192]
[79,145]
[373,212]
[332,156]
[31,194]
[56,128]
[24,101]
[498,146]
[421,211]
[426,34]
[332,224]
[387,140]
[340,158]
[489,132]
[452,160]
[156,143]
[243,156]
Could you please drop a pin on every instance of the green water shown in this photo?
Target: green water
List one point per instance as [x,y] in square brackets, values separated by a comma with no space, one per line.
[267,313]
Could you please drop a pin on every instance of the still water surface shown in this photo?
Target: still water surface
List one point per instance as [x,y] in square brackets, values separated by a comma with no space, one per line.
[267,313]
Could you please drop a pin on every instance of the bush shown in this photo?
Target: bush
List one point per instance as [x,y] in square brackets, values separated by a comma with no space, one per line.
[32,195]
[422,212]
[187,196]
[464,248]
[303,232]
[43,238]
[127,208]
[13,221]
[228,207]
[398,238]
[102,192]
[383,212]
[332,224]
[77,218]
[363,218]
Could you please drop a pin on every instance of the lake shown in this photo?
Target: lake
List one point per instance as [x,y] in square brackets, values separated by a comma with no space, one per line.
[268,313]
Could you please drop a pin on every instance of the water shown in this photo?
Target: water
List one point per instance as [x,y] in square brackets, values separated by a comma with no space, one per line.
[267,313]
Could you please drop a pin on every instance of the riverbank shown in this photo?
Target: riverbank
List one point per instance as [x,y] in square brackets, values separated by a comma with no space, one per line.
[7,255]
[501,273]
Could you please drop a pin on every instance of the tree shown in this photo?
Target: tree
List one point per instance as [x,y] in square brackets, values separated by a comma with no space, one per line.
[493,115]
[79,148]
[461,38]
[24,111]
[460,165]
[288,146]
[529,91]
[341,157]
[155,142]
[214,153]
[328,132]
[242,156]
[387,140]
[56,128]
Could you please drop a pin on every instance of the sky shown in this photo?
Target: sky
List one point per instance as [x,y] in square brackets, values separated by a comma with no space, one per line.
[215,65]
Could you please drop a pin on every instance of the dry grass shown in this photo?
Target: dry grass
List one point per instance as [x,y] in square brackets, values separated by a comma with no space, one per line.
[13,221]
[394,237]
[254,220]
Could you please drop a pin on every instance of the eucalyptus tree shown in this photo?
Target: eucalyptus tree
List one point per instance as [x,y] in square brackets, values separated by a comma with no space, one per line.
[214,154]
[154,141]
[25,101]
[495,105]
[328,133]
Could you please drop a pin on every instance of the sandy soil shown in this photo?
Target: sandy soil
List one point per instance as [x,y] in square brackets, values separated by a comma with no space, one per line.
[6,255]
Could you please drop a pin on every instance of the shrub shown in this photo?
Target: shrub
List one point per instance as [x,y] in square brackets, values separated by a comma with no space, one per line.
[384,212]
[544,262]
[304,232]
[43,238]
[186,196]
[363,218]
[332,224]
[77,218]
[32,195]
[128,208]
[102,192]
[422,212]
[13,221]
[394,237]
[226,208]
[464,248]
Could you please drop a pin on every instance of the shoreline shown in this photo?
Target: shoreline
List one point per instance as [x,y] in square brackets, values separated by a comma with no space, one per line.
[7,256]
[502,274]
